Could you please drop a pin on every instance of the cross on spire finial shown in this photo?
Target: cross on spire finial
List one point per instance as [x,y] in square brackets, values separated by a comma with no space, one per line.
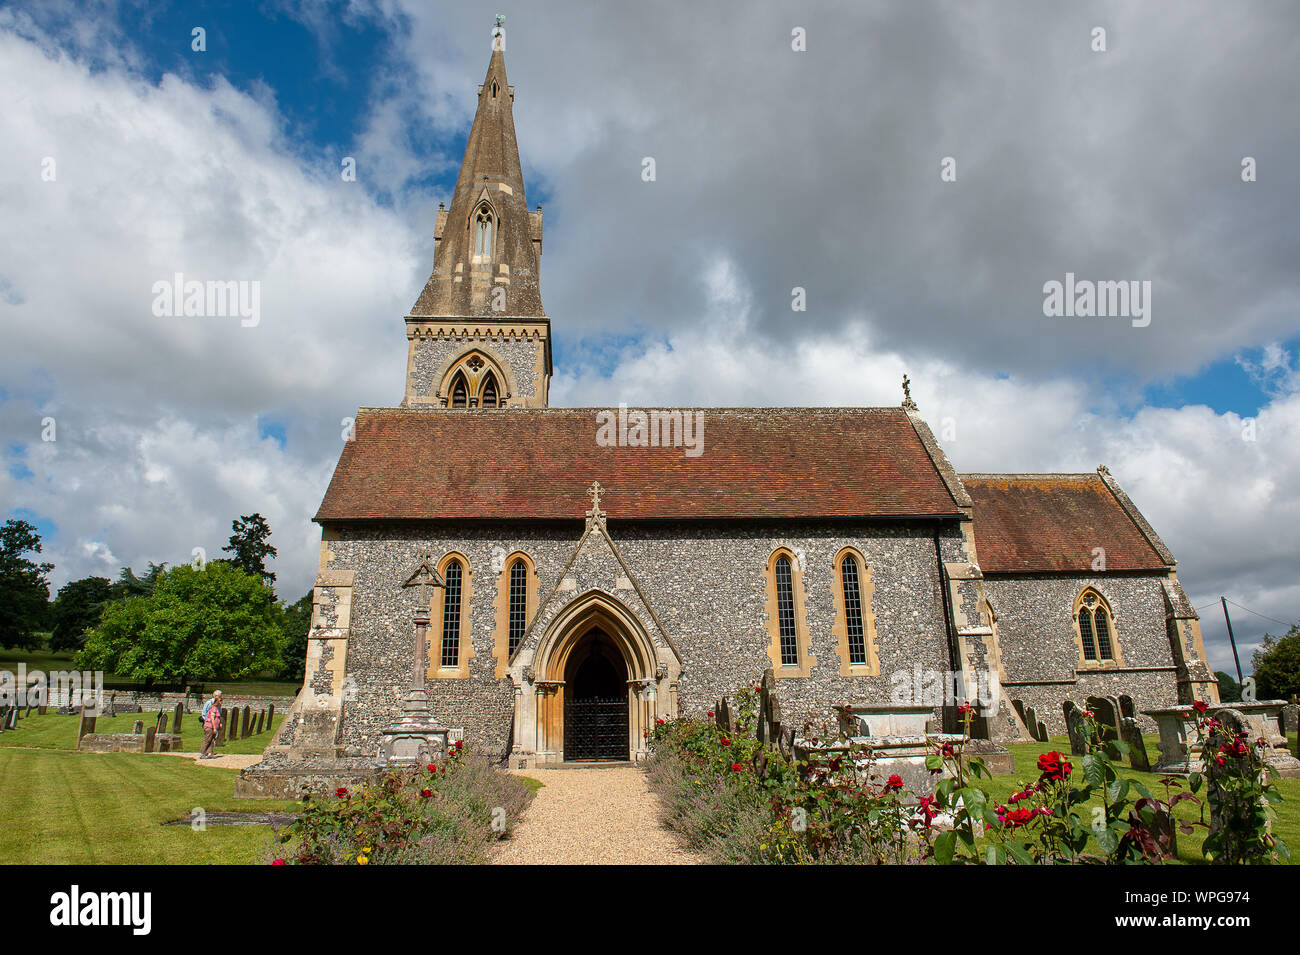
[594,492]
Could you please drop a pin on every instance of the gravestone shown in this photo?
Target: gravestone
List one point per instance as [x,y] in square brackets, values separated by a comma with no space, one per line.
[1132,733]
[1019,707]
[1126,708]
[4,718]
[87,722]
[270,715]
[112,705]
[138,728]
[150,739]
[161,725]
[1106,711]
[724,715]
[229,723]
[769,711]
[1037,728]
[178,716]
[261,716]
[1290,718]
[1075,728]
[246,727]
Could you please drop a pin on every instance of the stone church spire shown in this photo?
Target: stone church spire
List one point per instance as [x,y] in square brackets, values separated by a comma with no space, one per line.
[483,299]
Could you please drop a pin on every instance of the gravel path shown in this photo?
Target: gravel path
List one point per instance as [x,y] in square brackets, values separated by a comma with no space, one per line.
[592,817]
[227,761]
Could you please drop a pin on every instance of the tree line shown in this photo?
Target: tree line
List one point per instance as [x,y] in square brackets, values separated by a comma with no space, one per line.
[212,620]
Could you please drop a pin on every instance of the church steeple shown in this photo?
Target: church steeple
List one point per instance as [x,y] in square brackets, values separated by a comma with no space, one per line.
[484,293]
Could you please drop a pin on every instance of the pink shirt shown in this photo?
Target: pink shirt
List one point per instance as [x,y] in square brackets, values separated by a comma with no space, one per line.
[213,721]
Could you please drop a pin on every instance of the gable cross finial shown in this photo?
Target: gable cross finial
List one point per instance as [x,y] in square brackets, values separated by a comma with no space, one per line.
[908,403]
[594,492]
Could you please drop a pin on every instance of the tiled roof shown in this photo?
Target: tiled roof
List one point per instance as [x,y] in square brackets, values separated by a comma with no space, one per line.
[520,464]
[1031,523]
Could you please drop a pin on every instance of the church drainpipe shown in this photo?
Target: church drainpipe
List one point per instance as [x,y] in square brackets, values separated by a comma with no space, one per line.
[949,718]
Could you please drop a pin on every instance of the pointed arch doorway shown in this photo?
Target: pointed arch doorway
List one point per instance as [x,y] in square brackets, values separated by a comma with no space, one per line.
[595,700]
[591,687]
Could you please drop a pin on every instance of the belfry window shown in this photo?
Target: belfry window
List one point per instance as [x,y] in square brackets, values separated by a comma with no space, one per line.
[483,235]
[488,393]
[451,615]
[1096,628]
[459,393]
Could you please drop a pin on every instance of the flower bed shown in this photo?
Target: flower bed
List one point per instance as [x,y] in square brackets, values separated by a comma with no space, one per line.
[446,814]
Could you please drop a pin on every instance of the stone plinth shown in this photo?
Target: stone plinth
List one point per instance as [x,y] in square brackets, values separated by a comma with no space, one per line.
[885,756]
[1177,725]
[415,737]
[879,720]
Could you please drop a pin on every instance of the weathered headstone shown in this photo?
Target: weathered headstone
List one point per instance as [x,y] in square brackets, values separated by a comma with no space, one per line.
[112,705]
[161,725]
[261,716]
[230,722]
[4,718]
[769,711]
[1106,711]
[87,722]
[1074,727]
[150,739]
[138,728]
[1126,708]
[1290,718]
[246,727]
[1037,728]
[178,718]
[1019,707]
[1131,731]
[270,715]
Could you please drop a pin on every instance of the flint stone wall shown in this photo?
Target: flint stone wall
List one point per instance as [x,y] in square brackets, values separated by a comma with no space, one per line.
[519,355]
[1037,637]
[707,584]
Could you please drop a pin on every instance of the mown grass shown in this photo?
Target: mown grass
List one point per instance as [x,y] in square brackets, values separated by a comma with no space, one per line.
[55,731]
[60,807]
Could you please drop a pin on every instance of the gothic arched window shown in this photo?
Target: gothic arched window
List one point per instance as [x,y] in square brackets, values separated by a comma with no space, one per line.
[488,392]
[483,234]
[518,604]
[785,612]
[459,393]
[1096,628]
[853,610]
[451,614]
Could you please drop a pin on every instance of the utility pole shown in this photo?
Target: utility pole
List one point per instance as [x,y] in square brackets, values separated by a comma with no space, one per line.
[1231,638]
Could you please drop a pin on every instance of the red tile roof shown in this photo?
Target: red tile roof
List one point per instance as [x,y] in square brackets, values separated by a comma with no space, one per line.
[519,464]
[1051,523]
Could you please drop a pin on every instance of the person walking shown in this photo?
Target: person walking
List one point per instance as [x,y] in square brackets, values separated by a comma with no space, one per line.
[211,725]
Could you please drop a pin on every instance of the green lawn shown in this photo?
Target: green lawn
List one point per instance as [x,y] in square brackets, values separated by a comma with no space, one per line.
[98,809]
[53,731]
[1286,826]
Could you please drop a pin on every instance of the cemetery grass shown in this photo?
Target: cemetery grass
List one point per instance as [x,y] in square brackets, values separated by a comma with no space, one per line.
[55,731]
[1286,825]
[96,809]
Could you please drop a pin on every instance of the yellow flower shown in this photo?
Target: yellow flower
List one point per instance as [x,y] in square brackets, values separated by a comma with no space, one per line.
[362,860]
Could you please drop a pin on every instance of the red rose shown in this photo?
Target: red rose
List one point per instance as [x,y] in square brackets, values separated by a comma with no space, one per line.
[1053,766]
[1200,706]
[735,767]
[710,714]
[459,744]
[433,768]
[964,708]
[725,741]
[341,792]
[1018,817]
[894,783]
[278,862]
[927,808]
[426,793]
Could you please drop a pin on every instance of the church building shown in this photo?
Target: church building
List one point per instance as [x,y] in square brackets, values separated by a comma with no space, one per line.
[547,582]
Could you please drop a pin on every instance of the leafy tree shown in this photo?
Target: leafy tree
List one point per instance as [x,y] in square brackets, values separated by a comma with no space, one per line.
[129,585]
[24,591]
[216,623]
[1277,666]
[76,609]
[296,622]
[1229,688]
[249,547]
